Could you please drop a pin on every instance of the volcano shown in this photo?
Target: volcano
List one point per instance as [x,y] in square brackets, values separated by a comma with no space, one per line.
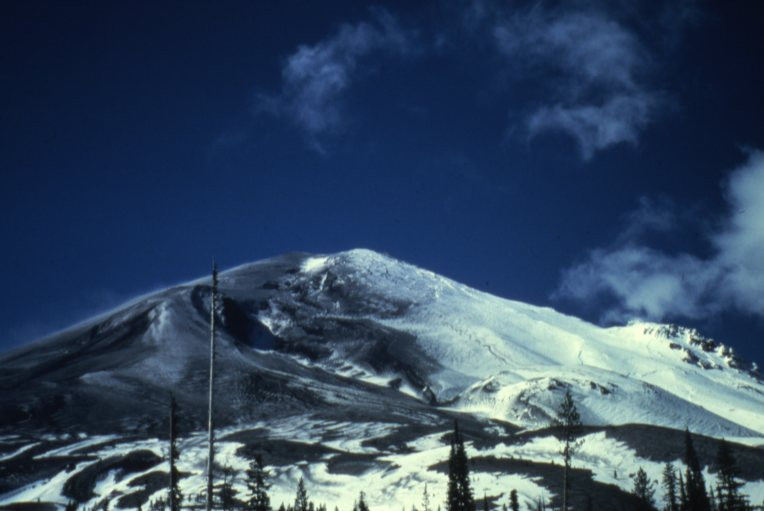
[349,370]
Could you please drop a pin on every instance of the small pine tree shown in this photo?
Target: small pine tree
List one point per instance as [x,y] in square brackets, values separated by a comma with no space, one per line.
[727,485]
[569,420]
[459,496]
[683,503]
[669,487]
[513,504]
[226,493]
[697,498]
[361,504]
[257,486]
[643,490]
[426,499]
[301,497]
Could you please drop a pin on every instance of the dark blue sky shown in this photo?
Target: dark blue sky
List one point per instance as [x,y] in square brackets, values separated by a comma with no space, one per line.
[600,158]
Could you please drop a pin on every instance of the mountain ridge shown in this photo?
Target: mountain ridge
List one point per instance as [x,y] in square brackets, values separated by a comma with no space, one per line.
[372,346]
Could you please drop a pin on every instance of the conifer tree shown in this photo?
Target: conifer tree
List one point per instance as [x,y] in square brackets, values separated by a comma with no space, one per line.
[697,498]
[683,503]
[727,485]
[301,498]
[362,505]
[175,495]
[459,497]
[569,420]
[513,504]
[643,490]
[257,486]
[426,499]
[226,493]
[669,487]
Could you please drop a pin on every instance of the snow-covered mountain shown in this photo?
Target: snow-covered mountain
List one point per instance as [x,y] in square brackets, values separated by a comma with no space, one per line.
[338,366]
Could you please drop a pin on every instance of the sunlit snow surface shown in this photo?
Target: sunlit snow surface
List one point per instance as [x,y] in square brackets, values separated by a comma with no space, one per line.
[635,373]
[395,339]
[398,481]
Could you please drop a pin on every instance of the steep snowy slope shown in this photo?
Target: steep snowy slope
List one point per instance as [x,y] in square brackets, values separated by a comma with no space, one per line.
[355,363]
[462,336]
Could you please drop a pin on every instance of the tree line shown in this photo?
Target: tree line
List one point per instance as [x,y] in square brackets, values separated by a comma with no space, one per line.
[683,491]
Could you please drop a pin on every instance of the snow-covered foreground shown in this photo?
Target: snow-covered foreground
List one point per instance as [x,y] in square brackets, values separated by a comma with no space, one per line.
[396,480]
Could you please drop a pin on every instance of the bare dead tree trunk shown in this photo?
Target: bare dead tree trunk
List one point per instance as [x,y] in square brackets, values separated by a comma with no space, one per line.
[210,423]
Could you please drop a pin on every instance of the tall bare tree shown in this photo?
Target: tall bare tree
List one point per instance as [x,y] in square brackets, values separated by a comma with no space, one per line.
[175,494]
[210,423]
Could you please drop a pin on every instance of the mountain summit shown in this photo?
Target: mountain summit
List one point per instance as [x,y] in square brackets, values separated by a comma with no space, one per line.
[356,363]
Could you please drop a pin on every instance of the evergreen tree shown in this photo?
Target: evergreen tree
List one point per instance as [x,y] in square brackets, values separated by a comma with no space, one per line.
[513,504]
[362,505]
[569,420]
[175,495]
[684,505]
[669,486]
[301,498]
[459,496]
[258,488]
[226,493]
[697,498]
[644,490]
[426,499]
[727,485]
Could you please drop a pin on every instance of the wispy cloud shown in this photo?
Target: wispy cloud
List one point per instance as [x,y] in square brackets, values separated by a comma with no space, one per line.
[315,78]
[594,74]
[644,281]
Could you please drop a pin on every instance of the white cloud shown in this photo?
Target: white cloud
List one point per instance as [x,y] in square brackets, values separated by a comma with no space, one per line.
[595,68]
[741,242]
[618,119]
[316,77]
[647,282]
